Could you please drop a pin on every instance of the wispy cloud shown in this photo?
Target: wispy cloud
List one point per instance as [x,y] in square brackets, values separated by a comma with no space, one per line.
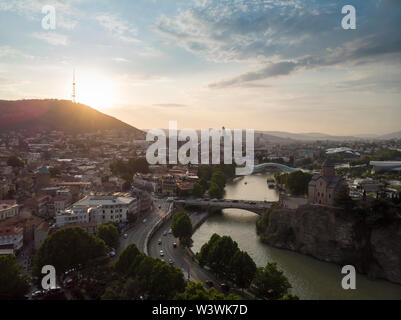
[53,38]
[117,27]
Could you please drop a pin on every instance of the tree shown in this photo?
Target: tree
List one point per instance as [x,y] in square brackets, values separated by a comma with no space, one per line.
[181,227]
[270,282]
[129,259]
[109,234]
[297,182]
[14,162]
[69,248]
[215,191]
[196,291]
[220,254]
[197,190]
[13,282]
[342,199]
[219,178]
[243,269]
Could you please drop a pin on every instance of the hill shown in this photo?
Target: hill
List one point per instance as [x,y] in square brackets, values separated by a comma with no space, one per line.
[52,114]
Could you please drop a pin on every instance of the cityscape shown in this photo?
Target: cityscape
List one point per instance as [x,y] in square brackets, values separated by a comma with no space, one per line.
[87,213]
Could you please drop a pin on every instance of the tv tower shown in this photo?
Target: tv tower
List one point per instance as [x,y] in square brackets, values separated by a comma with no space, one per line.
[73,86]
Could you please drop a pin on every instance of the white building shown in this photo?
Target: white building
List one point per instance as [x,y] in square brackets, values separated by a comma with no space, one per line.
[8,209]
[12,235]
[98,209]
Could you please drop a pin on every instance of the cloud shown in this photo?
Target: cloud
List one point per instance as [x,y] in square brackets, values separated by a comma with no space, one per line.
[6,51]
[52,38]
[118,59]
[66,15]
[282,37]
[117,27]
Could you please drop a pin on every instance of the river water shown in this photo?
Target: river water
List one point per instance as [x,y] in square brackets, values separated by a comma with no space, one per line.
[310,278]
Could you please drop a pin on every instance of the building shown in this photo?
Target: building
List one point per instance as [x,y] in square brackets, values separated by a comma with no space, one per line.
[168,185]
[323,187]
[380,166]
[8,209]
[13,236]
[41,233]
[95,210]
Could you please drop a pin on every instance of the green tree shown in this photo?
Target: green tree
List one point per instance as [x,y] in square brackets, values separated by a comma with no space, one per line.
[196,291]
[68,248]
[109,234]
[220,255]
[13,282]
[243,269]
[297,182]
[215,191]
[219,178]
[342,199]
[197,190]
[181,227]
[129,260]
[270,282]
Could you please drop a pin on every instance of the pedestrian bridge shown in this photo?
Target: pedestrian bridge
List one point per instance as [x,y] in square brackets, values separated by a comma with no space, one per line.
[258,207]
[282,167]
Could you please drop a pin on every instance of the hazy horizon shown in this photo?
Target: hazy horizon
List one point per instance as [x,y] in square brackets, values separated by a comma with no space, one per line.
[263,65]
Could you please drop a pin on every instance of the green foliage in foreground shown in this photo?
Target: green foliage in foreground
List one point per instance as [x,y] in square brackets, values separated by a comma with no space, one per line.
[224,257]
[196,291]
[109,234]
[143,277]
[13,282]
[271,283]
[69,248]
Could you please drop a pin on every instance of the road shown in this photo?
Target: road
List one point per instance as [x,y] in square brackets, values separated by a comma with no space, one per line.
[140,229]
[181,259]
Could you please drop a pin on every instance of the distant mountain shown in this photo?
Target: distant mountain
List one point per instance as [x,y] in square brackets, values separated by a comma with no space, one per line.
[393,135]
[52,114]
[312,136]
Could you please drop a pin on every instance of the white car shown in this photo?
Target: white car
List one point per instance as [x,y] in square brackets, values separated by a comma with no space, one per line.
[125,235]
[161,253]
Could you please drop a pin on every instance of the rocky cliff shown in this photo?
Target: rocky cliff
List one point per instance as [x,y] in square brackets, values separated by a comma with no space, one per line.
[334,235]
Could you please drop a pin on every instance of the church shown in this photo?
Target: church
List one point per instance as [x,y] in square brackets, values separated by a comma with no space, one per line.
[323,187]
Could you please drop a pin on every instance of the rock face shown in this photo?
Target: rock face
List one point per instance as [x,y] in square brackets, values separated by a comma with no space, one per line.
[334,235]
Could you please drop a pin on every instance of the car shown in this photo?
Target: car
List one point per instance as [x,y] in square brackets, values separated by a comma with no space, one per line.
[170,261]
[112,253]
[144,220]
[165,233]
[160,207]
[159,241]
[125,235]
[174,245]
[170,231]
[38,294]
[161,253]
[209,283]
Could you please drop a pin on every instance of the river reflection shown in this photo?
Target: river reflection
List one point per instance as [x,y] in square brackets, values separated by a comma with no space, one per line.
[310,278]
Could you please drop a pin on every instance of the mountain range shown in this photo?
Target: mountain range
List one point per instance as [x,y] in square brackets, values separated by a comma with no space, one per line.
[52,114]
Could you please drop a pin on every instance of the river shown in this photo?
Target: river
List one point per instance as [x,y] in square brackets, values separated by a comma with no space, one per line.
[310,278]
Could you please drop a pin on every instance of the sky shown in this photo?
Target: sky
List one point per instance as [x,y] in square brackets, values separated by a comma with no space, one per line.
[269,65]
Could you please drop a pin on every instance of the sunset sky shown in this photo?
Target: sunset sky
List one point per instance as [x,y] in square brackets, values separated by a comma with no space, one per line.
[266,65]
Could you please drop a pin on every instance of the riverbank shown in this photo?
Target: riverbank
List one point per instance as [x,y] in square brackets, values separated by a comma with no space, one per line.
[336,236]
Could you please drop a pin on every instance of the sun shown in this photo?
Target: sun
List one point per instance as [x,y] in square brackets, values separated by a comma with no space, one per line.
[96,91]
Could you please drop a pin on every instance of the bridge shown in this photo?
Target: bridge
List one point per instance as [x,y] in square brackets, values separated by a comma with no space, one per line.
[257,207]
[282,167]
